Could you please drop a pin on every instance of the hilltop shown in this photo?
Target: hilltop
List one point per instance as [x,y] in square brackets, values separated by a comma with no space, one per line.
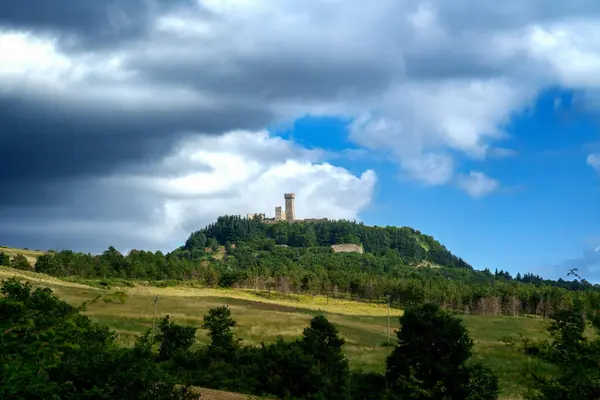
[406,244]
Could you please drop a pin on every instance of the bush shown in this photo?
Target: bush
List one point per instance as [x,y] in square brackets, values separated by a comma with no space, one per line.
[174,339]
[4,259]
[120,297]
[20,262]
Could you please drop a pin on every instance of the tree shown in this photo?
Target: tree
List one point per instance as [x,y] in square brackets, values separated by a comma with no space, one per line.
[4,259]
[20,262]
[321,341]
[48,350]
[219,324]
[574,356]
[430,359]
[174,339]
[49,264]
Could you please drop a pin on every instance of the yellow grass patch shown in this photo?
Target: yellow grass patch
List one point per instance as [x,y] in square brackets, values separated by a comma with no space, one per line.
[30,255]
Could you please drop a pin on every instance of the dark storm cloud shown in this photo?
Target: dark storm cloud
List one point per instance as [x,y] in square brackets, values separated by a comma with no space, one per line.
[489,15]
[276,77]
[36,144]
[84,23]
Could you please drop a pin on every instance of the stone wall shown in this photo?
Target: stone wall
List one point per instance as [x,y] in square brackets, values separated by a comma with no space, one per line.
[347,248]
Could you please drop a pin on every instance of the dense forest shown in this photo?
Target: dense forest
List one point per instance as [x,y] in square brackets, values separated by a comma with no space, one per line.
[401,264]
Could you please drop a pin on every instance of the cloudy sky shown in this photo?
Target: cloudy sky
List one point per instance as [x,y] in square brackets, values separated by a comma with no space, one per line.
[133,122]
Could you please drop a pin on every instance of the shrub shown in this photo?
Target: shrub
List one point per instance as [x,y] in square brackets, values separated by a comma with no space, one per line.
[174,338]
[20,262]
[4,259]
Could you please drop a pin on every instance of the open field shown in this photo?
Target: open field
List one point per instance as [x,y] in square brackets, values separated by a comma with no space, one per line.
[262,317]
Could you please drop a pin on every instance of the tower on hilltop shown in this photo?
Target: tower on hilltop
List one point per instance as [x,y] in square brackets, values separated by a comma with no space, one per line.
[290,214]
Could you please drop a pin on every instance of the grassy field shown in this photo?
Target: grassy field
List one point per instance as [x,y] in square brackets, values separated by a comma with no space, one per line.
[262,317]
[30,255]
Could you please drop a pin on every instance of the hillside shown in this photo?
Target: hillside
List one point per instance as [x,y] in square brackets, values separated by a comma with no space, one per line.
[401,264]
[405,244]
[262,317]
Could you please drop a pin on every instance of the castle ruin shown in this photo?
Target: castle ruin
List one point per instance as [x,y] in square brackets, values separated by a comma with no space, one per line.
[288,215]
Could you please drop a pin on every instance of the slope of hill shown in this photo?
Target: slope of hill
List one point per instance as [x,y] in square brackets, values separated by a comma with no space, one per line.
[407,244]
[30,255]
[399,264]
[263,316]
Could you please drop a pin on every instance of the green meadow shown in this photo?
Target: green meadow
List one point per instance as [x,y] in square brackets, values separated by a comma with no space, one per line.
[262,317]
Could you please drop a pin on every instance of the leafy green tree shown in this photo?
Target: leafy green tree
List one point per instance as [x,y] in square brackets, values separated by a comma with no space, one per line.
[49,264]
[219,324]
[174,339]
[574,356]
[430,359]
[4,259]
[321,341]
[20,262]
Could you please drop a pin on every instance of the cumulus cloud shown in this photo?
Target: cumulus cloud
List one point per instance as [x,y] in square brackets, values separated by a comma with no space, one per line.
[593,161]
[202,178]
[477,184]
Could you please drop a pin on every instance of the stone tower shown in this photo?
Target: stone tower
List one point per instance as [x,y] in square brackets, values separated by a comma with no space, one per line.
[279,214]
[290,214]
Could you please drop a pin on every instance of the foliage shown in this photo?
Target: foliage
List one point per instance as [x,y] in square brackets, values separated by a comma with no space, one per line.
[117,296]
[4,259]
[321,341]
[20,262]
[574,355]
[49,350]
[174,339]
[49,264]
[219,324]
[430,359]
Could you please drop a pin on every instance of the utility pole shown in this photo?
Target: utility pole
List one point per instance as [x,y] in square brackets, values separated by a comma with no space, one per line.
[154,317]
[388,326]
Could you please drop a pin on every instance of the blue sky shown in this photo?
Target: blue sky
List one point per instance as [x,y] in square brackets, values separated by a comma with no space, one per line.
[545,213]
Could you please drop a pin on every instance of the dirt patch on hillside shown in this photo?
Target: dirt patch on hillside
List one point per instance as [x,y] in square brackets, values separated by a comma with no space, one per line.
[211,394]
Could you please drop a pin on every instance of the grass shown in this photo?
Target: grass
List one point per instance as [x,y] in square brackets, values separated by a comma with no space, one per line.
[30,255]
[262,317]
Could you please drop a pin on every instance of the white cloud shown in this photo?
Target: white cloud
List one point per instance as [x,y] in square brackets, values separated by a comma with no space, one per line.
[593,161]
[477,184]
[237,173]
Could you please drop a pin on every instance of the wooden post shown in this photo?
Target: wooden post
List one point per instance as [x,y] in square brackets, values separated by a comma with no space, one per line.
[154,317]
[388,321]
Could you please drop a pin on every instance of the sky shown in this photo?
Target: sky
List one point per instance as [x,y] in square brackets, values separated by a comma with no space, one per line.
[135,122]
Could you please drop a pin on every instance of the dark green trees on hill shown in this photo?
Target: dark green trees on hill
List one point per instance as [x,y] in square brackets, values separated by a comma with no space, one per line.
[409,245]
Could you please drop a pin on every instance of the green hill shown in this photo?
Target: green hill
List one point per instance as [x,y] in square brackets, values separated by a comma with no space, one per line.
[405,244]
